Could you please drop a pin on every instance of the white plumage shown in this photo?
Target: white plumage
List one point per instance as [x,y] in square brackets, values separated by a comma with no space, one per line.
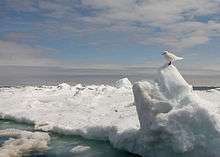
[170,57]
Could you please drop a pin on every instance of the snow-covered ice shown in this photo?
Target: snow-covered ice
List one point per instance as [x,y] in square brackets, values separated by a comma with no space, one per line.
[123,83]
[90,111]
[151,115]
[79,149]
[22,142]
[170,109]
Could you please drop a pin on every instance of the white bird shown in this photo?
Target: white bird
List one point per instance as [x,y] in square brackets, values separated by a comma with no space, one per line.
[170,57]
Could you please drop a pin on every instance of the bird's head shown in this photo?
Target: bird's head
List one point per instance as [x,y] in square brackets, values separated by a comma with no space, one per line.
[165,52]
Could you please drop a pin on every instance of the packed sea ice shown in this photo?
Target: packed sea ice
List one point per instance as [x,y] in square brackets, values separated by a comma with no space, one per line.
[21,143]
[165,115]
[79,149]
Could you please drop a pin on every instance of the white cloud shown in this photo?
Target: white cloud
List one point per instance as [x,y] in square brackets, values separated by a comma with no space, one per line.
[12,53]
[175,23]
[176,20]
[26,5]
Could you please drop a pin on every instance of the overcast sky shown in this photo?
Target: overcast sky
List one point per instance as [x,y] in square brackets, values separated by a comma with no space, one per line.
[109,33]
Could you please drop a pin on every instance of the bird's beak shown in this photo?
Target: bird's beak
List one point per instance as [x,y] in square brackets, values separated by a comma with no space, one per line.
[164,52]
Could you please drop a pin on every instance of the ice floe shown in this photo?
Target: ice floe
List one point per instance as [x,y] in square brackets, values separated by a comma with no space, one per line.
[21,143]
[79,149]
[163,115]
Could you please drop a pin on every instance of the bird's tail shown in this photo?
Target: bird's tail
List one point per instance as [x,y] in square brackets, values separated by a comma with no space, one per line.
[179,58]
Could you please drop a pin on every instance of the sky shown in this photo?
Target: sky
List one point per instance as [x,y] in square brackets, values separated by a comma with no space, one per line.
[109,33]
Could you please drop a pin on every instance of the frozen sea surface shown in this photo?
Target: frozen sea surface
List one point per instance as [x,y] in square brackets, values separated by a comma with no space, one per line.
[171,119]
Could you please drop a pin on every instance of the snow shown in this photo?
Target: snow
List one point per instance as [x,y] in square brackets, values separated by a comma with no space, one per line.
[22,142]
[79,149]
[212,95]
[123,83]
[64,86]
[167,112]
[170,106]
[91,111]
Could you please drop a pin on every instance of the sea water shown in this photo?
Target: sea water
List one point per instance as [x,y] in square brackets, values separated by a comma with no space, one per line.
[60,145]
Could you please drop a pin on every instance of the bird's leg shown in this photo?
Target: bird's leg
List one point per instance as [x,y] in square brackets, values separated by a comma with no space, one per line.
[169,63]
